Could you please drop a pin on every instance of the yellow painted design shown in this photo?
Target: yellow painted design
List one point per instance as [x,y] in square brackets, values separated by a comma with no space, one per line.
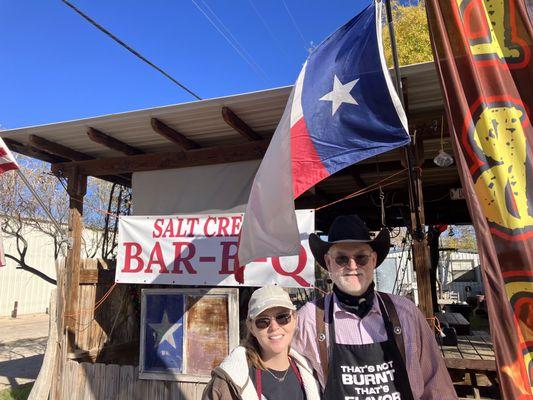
[513,288]
[498,43]
[500,135]
[525,324]
[526,319]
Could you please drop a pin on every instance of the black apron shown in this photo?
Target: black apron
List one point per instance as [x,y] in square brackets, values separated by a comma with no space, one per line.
[374,371]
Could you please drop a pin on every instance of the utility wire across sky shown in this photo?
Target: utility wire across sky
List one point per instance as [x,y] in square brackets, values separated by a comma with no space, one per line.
[217,23]
[130,49]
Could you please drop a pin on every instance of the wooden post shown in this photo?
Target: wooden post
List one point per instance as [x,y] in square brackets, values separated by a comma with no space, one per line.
[77,186]
[421,260]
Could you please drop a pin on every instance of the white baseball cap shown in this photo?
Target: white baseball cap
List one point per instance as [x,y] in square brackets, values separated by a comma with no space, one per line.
[269,296]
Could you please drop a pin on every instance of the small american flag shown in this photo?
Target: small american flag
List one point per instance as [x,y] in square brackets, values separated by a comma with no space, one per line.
[7,161]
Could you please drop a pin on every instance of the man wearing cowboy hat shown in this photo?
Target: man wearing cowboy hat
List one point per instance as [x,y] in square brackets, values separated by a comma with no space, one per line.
[365,344]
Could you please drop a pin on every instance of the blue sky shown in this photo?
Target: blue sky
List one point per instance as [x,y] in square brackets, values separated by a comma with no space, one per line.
[56,66]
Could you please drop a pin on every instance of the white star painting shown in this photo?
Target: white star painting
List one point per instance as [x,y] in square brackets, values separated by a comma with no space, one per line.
[165,331]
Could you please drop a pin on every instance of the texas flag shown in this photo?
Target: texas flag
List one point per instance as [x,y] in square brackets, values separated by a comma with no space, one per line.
[7,161]
[342,109]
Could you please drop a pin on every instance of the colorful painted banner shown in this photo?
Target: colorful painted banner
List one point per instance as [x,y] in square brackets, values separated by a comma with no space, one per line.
[202,250]
[483,55]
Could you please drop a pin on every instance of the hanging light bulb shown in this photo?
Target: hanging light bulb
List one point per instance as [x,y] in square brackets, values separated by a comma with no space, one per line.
[442,159]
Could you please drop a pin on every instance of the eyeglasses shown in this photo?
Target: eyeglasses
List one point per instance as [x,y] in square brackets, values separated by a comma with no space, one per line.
[282,319]
[360,259]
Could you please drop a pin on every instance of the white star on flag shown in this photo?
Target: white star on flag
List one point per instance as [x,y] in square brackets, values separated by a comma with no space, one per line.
[165,331]
[340,94]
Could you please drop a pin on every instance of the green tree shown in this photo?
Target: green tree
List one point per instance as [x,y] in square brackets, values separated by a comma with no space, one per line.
[412,34]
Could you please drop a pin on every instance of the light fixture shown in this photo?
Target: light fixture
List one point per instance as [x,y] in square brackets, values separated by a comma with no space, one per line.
[442,159]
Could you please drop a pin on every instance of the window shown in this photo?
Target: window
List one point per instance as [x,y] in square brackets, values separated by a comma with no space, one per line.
[185,333]
[463,270]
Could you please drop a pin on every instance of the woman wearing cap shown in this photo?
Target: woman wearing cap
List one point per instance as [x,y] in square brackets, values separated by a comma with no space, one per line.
[264,366]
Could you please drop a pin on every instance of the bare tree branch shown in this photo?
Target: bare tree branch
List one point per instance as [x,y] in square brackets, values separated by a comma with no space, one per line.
[34,271]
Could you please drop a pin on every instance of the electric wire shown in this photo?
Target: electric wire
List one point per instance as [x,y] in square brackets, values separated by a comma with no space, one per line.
[270,32]
[230,38]
[306,43]
[130,49]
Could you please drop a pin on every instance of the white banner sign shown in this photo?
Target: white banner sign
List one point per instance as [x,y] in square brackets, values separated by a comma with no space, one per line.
[202,250]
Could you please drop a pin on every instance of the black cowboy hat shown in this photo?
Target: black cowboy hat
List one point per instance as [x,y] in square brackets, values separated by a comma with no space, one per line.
[346,229]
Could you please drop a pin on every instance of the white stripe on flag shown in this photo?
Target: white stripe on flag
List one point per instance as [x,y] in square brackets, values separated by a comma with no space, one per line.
[297,111]
[269,226]
[7,161]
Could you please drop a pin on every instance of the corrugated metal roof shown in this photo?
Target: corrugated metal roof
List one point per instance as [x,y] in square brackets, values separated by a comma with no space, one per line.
[202,120]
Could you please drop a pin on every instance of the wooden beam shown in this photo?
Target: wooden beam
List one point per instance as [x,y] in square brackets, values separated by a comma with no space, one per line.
[421,260]
[112,143]
[77,187]
[157,161]
[173,135]
[109,352]
[96,276]
[32,152]
[239,125]
[470,364]
[57,149]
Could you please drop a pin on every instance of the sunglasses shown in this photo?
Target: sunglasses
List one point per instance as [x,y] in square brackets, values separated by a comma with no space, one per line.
[344,261]
[282,319]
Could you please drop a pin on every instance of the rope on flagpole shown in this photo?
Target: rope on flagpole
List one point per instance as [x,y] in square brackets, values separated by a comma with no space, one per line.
[418,233]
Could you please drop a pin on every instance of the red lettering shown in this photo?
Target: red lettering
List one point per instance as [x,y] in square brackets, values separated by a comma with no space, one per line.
[179,232]
[179,258]
[157,228]
[131,254]
[236,225]
[156,258]
[169,232]
[302,260]
[206,227]
[223,223]
[228,268]
[192,222]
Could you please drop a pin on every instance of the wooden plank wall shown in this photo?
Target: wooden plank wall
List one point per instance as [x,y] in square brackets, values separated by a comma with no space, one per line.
[88,381]
[114,323]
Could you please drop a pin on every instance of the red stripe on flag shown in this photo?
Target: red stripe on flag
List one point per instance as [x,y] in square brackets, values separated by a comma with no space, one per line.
[3,152]
[307,167]
[8,167]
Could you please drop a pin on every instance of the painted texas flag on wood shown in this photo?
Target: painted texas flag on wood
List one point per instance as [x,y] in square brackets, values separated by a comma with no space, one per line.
[343,109]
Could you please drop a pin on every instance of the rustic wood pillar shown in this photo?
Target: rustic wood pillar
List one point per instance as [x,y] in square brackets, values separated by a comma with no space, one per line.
[421,260]
[77,186]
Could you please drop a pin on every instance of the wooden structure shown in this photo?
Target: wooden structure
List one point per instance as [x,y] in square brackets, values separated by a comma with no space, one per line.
[456,321]
[472,356]
[224,130]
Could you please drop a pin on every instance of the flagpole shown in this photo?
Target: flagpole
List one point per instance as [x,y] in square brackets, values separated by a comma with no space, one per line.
[39,200]
[418,234]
